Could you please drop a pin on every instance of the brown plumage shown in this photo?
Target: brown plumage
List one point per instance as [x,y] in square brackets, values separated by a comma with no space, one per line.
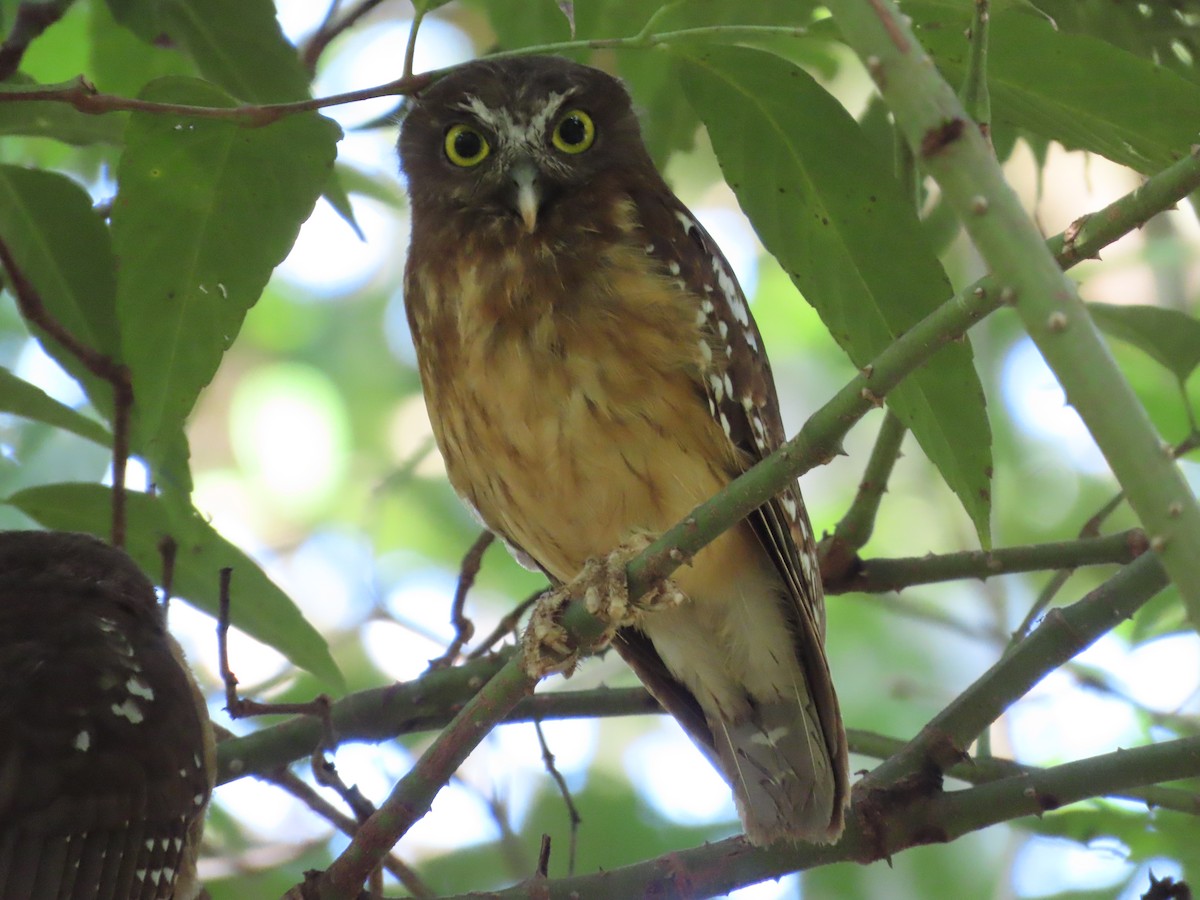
[592,372]
[106,751]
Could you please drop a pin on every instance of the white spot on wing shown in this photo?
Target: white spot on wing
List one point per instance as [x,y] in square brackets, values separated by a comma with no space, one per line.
[129,710]
[139,688]
[83,741]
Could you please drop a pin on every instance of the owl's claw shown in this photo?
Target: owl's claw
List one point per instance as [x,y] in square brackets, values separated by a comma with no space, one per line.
[604,589]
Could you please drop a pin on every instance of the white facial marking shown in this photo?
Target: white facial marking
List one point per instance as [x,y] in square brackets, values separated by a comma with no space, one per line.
[83,741]
[510,131]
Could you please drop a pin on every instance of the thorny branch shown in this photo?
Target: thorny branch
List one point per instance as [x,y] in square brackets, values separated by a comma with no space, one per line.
[413,795]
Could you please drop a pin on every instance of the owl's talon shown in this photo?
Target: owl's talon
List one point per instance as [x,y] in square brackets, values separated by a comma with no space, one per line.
[604,589]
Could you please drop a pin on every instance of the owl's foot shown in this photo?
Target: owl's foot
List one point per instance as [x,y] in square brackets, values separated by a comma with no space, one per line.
[604,590]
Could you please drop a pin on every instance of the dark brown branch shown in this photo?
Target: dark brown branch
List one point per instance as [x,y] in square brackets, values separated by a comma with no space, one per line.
[464,628]
[572,810]
[84,97]
[880,575]
[30,21]
[240,708]
[506,626]
[116,374]
[330,29]
[310,797]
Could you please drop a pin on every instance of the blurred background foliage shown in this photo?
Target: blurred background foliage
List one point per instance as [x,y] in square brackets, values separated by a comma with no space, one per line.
[310,450]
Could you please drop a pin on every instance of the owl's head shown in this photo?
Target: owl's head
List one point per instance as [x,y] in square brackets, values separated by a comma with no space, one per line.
[510,140]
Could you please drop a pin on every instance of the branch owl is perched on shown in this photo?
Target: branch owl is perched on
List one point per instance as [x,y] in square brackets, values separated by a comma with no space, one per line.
[106,750]
[593,374]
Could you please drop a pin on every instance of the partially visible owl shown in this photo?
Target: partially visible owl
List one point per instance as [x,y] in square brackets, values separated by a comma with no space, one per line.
[592,372]
[106,750]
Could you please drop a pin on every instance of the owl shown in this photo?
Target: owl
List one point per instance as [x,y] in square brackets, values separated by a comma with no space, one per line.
[106,750]
[592,373]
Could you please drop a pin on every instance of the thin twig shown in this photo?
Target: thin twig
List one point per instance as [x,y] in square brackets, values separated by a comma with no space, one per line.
[410,49]
[240,708]
[1047,594]
[308,795]
[464,628]
[881,575]
[572,810]
[30,21]
[839,553]
[167,548]
[1060,636]
[506,626]
[30,304]
[329,30]
[84,97]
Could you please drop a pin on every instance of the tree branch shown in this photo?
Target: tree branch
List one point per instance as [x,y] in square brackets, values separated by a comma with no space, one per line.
[839,552]
[962,163]
[1061,635]
[116,374]
[880,575]
[817,440]
[719,867]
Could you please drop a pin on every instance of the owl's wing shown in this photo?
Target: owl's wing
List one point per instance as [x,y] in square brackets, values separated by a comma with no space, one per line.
[740,392]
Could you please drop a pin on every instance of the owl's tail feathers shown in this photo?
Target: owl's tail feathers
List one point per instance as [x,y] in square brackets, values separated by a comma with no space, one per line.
[785,784]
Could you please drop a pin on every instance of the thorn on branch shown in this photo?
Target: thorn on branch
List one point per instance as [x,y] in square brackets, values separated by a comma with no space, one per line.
[543,863]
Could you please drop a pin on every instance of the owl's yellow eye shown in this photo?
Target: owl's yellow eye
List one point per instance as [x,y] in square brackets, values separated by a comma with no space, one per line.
[465,146]
[575,132]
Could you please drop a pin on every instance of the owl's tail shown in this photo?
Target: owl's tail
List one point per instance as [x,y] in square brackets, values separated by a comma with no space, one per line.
[778,764]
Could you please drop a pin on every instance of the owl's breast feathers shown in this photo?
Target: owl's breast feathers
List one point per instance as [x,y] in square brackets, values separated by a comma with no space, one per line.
[575,379]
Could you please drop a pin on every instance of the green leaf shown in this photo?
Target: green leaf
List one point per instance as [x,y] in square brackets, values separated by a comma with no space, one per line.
[825,206]
[1049,83]
[21,398]
[258,606]
[205,211]
[339,199]
[121,63]
[64,250]
[667,125]
[1170,337]
[236,44]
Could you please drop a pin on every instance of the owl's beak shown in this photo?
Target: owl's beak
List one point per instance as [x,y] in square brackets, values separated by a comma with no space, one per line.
[527,193]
